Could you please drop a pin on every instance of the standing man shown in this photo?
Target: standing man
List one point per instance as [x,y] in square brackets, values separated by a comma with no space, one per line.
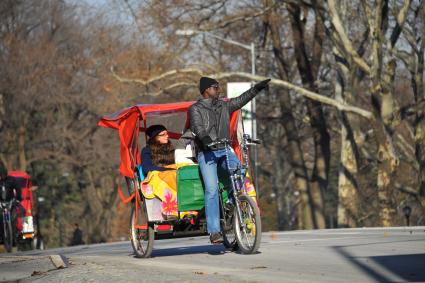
[8,187]
[77,236]
[210,121]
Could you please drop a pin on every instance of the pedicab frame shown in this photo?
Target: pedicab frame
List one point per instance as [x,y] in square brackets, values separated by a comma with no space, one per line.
[132,121]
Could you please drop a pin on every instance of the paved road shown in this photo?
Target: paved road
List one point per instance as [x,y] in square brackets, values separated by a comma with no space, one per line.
[344,255]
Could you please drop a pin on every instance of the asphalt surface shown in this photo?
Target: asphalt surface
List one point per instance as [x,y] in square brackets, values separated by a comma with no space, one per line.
[343,255]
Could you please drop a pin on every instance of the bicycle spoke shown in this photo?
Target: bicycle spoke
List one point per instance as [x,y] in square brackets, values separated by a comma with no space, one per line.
[246,228]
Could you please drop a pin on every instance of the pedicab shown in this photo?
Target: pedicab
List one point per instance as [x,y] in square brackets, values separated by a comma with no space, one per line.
[22,222]
[170,209]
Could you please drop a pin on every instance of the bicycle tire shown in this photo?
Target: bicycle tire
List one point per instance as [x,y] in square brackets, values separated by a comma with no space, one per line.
[248,233]
[7,235]
[142,239]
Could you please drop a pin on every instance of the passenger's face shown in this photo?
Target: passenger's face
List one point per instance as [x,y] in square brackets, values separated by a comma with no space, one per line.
[162,137]
[213,91]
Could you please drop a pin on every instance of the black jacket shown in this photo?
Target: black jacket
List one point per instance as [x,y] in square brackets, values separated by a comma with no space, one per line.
[210,119]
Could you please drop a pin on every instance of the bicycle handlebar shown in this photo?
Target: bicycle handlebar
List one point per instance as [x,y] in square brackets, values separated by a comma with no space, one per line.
[227,142]
[256,141]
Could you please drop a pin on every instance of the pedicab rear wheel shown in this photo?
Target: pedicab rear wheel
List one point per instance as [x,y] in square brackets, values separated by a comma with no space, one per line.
[248,233]
[142,233]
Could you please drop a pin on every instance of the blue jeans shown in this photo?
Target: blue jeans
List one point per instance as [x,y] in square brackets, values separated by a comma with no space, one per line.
[208,161]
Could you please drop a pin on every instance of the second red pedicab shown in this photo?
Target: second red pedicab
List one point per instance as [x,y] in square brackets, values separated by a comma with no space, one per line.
[22,231]
[240,223]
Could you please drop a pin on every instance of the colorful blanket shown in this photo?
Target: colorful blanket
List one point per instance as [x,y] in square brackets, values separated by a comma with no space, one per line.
[163,185]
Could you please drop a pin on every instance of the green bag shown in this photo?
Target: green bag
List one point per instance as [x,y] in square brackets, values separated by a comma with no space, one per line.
[190,189]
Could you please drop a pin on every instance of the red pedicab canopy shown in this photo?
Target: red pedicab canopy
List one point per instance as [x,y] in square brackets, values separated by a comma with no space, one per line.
[24,182]
[132,120]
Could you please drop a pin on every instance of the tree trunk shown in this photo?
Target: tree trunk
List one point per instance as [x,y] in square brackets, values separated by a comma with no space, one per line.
[386,155]
[306,217]
[22,159]
[420,152]
[419,93]
[347,212]
[308,72]
[279,189]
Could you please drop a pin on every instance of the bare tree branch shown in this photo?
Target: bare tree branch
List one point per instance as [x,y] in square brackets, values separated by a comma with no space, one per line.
[300,90]
[346,42]
[241,18]
[155,78]
[401,18]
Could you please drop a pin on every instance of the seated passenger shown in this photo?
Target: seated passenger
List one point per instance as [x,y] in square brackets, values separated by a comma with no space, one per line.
[158,152]
[160,171]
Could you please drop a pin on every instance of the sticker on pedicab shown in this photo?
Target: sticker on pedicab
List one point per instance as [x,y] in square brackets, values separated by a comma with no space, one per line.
[169,203]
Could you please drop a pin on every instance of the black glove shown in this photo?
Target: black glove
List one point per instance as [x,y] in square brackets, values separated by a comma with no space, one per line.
[261,85]
[205,141]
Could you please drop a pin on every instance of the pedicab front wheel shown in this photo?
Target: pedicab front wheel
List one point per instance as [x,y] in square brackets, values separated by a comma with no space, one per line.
[142,233]
[247,225]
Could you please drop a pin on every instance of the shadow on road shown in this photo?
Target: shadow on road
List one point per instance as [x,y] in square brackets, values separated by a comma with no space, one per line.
[408,267]
[209,249]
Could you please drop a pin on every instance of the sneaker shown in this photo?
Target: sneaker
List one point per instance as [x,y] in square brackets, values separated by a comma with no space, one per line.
[216,238]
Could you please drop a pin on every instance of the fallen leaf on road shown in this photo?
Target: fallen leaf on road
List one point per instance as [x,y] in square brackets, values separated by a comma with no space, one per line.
[36,272]
[258,267]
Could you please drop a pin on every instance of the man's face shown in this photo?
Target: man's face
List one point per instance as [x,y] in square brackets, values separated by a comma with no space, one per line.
[212,92]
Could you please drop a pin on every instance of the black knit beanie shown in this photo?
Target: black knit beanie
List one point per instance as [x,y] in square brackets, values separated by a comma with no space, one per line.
[205,83]
[154,130]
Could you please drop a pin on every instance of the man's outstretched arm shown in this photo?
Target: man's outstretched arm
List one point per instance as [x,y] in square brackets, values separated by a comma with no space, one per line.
[238,102]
